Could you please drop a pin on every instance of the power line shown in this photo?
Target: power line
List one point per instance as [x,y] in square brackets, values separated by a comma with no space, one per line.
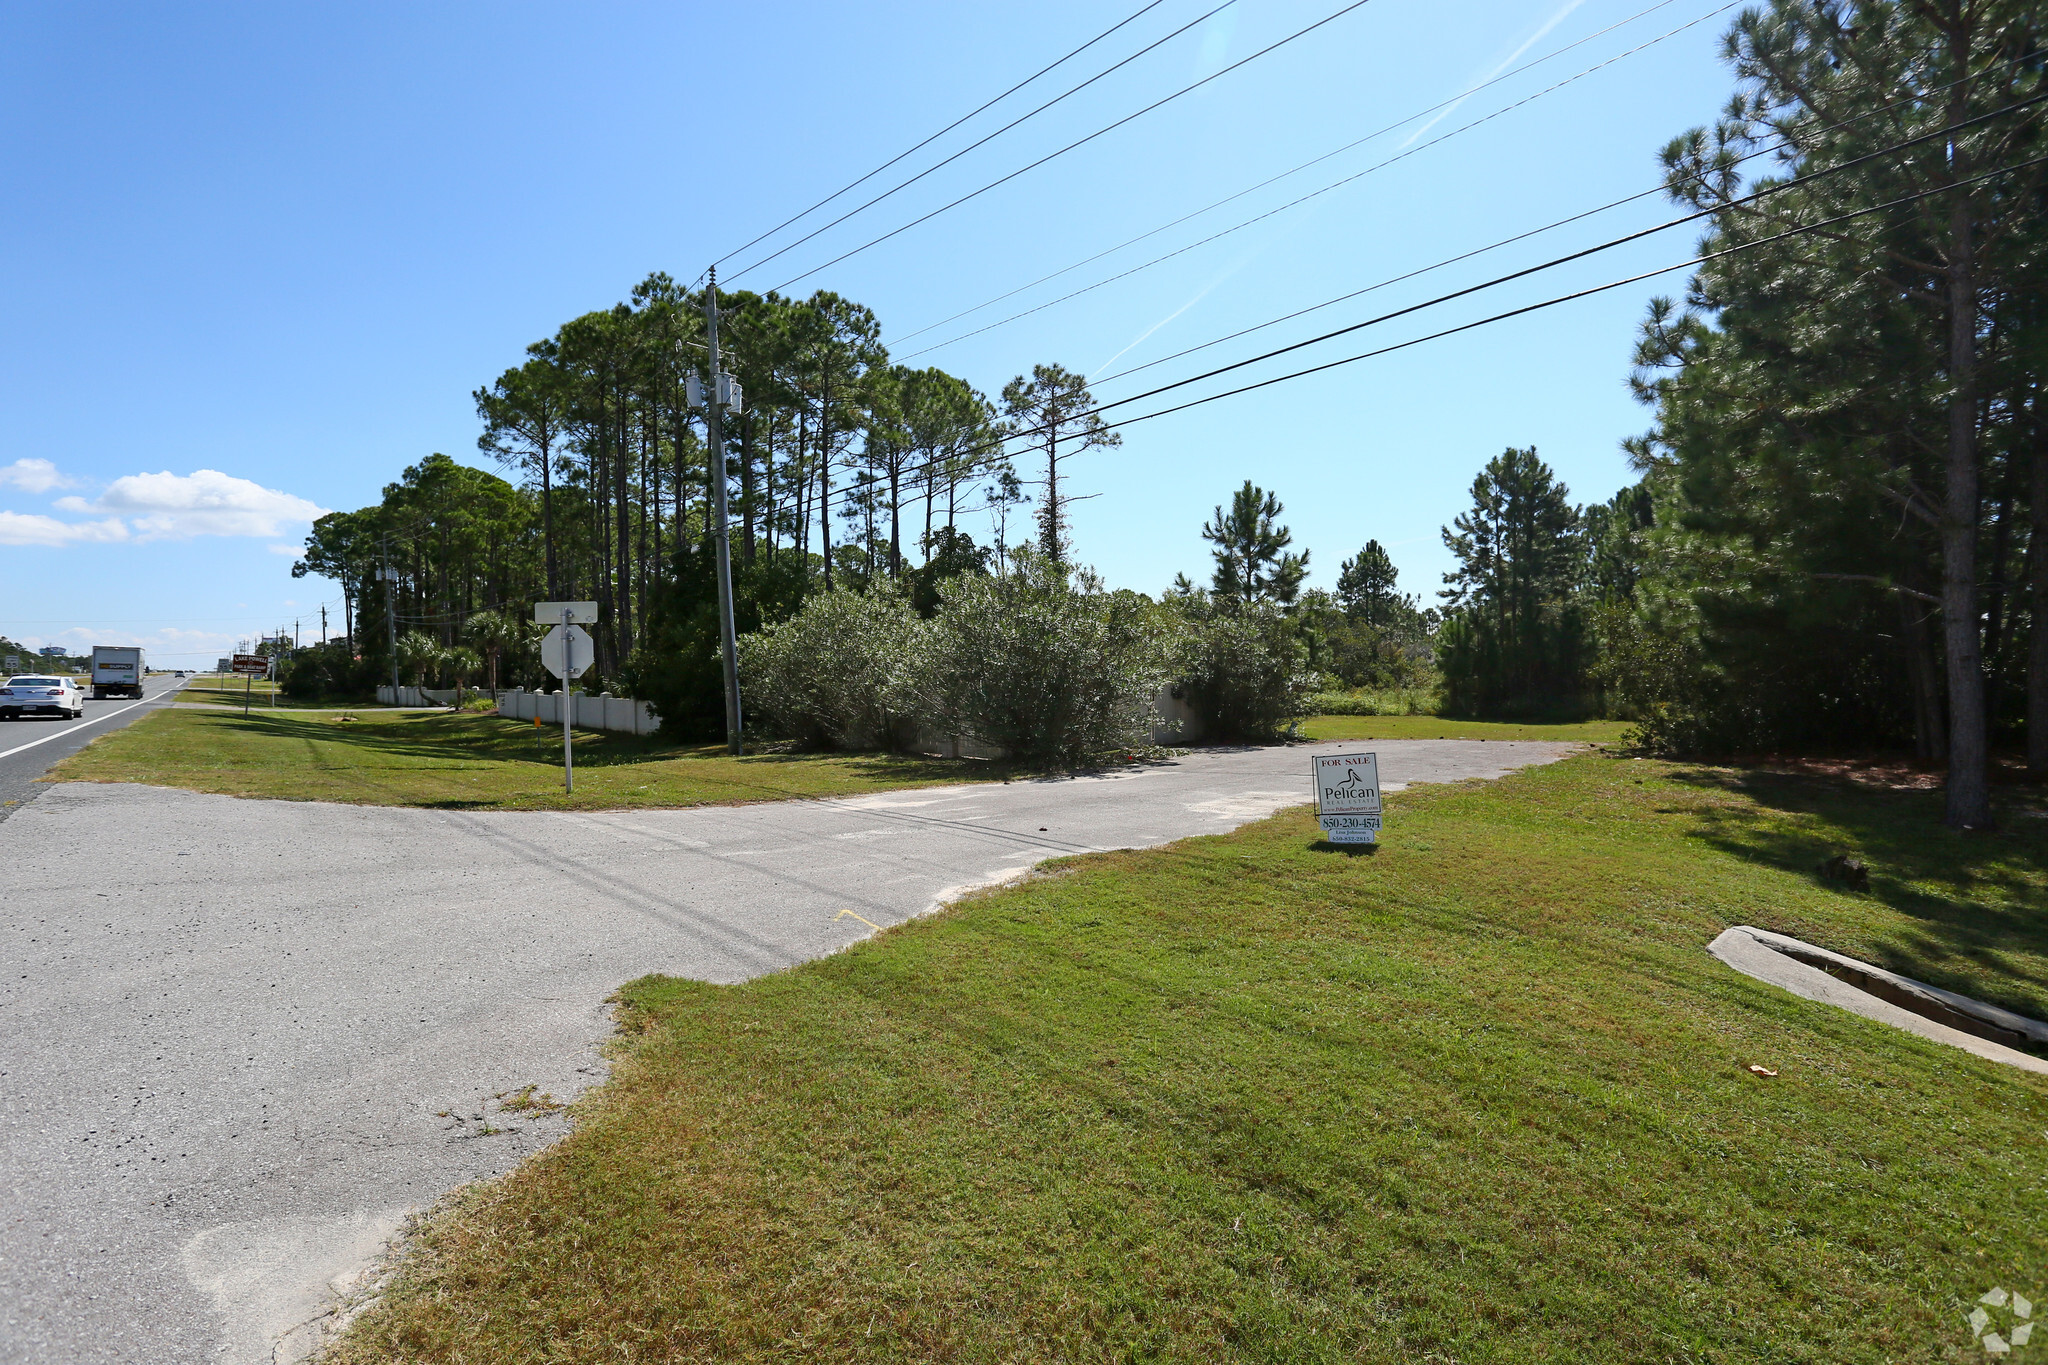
[1742,201]
[1274,179]
[1781,187]
[1044,70]
[1393,280]
[1333,185]
[1586,293]
[1523,236]
[1079,142]
[782,250]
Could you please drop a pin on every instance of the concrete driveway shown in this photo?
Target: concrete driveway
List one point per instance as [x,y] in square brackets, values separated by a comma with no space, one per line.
[240,1040]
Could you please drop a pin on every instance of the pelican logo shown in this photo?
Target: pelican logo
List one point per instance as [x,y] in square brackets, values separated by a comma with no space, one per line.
[1353,786]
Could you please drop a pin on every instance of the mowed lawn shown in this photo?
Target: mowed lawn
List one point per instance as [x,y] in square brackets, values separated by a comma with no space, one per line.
[1479,1096]
[464,760]
[211,691]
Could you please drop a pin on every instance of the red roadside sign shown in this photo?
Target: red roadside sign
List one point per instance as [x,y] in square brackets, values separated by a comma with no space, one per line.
[253,665]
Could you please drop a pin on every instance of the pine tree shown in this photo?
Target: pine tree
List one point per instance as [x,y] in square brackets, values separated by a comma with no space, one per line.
[1054,408]
[1365,587]
[1253,563]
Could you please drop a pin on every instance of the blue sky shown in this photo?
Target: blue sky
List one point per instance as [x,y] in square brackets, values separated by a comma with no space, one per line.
[259,256]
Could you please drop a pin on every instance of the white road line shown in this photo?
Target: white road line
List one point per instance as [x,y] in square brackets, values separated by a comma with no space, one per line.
[72,730]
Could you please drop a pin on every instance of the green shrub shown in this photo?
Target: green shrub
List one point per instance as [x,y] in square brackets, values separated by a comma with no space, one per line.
[836,674]
[1246,672]
[329,671]
[1495,664]
[676,665]
[1047,670]
[1376,658]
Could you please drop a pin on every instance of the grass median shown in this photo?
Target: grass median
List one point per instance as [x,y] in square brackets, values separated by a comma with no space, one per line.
[1479,1096]
[208,692]
[468,761]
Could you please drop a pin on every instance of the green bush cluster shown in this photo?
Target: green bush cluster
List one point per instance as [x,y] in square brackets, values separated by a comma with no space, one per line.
[837,675]
[1246,671]
[1037,662]
[328,670]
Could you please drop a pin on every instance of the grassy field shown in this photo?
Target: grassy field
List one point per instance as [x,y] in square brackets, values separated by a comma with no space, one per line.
[467,761]
[1480,1096]
[209,689]
[1439,727]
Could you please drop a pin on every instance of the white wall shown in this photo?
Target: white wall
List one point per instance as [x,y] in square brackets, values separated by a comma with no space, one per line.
[603,712]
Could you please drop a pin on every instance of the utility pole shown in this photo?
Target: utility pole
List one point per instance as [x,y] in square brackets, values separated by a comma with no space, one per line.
[568,705]
[722,387]
[390,619]
[323,625]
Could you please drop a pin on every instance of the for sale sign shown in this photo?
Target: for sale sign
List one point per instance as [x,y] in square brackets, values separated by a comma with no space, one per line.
[1348,797]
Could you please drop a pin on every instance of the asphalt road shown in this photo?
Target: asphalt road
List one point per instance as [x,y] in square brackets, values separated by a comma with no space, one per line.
[31,747]
[239,1040]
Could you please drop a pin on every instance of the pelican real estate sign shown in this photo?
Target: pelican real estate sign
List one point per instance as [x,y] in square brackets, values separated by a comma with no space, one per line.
[1348,797]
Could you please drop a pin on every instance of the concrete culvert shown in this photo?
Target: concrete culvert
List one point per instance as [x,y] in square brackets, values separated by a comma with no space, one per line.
[1816,973]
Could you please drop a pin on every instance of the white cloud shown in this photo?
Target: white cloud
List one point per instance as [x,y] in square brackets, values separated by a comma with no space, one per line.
[206,502]
[293,550]
[166,646]
[22,528]
[33,476]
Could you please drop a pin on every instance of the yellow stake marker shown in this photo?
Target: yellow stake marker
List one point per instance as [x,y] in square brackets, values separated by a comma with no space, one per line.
[862,918]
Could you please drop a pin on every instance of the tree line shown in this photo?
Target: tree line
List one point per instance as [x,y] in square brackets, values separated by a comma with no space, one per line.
[1838,534]
[1839,537]
[1849,459]
[842,469]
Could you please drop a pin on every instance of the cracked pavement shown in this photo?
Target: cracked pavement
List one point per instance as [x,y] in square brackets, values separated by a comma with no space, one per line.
[240,1040]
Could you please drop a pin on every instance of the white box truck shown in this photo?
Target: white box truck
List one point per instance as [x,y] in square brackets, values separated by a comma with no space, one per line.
[116,671]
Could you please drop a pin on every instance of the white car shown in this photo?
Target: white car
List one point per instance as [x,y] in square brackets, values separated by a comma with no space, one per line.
[37,694]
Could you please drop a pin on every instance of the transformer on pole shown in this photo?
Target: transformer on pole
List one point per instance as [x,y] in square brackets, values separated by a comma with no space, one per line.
[725,393]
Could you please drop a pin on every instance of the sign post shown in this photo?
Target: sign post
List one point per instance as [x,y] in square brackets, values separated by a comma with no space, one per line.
[250,666]
[565,652]
[1348,797]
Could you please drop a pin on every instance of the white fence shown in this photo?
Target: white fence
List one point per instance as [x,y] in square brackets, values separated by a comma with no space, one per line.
[417,696]
[601,712]
[1177,722]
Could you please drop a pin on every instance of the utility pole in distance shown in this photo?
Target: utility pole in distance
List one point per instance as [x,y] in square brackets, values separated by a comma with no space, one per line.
[390,621]
[723,389]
